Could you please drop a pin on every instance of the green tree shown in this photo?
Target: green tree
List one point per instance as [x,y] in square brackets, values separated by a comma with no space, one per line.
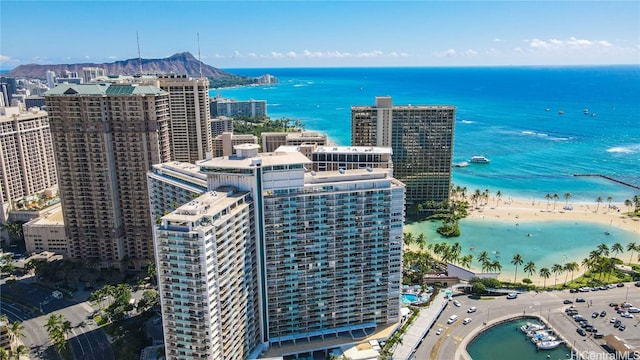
[555,199]
[631,247]
[530,268]
[599,201]
[58,327]
[498,197]
[556,269]
[545,274]
[517,260]
[572,266]
[616,249]
[567,196]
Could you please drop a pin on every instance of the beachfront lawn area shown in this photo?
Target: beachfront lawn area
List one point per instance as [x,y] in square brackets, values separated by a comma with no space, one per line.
[591,279]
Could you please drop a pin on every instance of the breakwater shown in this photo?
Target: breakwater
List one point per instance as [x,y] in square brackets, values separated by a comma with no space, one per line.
[611,179]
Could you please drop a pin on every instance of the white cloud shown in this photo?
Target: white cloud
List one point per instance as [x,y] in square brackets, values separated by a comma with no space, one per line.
[218,56]
[8,61]
[497,40]
[112,57]
[571,43]
[450,52]
[470,52]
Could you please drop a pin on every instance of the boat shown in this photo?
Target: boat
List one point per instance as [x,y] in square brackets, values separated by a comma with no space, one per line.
[560,112]
[585,111]
[547,109]
[479,160]
[531,327]
[548,345]
[462,164]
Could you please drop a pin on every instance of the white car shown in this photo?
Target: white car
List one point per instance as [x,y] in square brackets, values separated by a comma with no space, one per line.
[439,331]
[466,321]
[456,303]
[472,309]
[626,315]
[512,296]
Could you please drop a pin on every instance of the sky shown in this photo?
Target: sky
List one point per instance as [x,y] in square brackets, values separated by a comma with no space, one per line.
[267,34]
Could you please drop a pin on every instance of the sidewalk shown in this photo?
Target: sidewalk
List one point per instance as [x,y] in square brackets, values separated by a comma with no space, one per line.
[418,330]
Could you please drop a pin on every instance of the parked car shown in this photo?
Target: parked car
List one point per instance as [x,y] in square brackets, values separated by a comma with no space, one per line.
[620,285]
[595,314]
[512,296]
[603,313]
[471,309]
[637,283]
[466,321]
[581,331]
[439,331]
[580,300]
[598,336]
[567,302]
[622,327]
[457,303]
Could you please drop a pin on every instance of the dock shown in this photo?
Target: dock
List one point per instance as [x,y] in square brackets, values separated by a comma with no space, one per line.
[611,179]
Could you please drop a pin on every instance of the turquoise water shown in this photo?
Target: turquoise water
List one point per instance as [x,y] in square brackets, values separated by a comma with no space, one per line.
[501,114]
[409,298]
[549,243]
[507,342]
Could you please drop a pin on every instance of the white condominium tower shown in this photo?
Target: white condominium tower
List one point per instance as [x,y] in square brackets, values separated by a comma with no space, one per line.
[274,259]
[421,137]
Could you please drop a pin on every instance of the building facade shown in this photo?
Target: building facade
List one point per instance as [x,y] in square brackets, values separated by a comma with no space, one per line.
[221,124]
[27,163]
[106,138]
[223,144]
[274,254]
[422,141]
[229,107]
[190,117]
[273,140]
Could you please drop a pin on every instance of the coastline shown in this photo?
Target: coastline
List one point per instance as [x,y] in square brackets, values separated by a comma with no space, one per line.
[514,210]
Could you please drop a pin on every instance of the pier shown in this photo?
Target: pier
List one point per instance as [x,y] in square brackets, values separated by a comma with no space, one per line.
[611,179]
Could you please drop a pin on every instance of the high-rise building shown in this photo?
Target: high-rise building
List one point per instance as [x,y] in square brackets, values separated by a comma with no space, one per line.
[106,138]
[422,141]
[91,73]
[27,163]
[275,259]
[51,79]
[220,125]
[223,144]
[273,140]
[189,109]
[229,107]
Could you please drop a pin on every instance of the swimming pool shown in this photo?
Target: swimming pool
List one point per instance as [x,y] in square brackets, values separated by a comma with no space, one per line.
[409,298]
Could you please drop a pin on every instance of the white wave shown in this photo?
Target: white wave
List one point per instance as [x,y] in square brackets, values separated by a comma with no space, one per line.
[299,85]
[528,133]
[626,149]
[467,122]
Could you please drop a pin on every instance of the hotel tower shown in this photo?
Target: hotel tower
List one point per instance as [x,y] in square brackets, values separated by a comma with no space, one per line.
[272,258]
[421,138]
[105,139]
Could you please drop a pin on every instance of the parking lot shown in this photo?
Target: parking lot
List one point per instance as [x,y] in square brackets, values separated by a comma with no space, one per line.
[550,306]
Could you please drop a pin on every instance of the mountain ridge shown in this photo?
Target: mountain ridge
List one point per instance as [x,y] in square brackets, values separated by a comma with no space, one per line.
[179,63]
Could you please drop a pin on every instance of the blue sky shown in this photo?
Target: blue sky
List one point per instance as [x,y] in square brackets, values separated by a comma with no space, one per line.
[254,34]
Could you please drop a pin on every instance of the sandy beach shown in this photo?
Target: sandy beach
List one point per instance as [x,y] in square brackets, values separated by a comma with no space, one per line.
[514,210]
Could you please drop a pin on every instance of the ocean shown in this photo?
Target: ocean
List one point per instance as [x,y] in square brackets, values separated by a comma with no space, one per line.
[511,115]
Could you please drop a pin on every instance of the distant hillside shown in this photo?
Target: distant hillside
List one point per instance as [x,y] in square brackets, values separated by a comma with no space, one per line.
[182,63]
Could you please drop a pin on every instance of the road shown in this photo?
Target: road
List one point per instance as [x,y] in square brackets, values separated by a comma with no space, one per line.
[548,305]
[86,339]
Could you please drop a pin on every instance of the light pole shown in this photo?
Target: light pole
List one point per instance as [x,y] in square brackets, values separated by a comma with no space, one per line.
[627,296]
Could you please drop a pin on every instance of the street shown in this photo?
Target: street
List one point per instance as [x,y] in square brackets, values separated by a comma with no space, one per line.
[547,305]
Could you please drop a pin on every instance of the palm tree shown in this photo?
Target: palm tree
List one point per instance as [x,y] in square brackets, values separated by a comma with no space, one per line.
[484,256]
[19,351]
[631,247]
[4,355]
[556,269]
[548,197]
[421,241]
[407,237]
[517,260]
[609,199]
[496,266]
[465,261]
[498,196]
[617,248]
[567,196]
[58,326]
[603,250]
[598,200]
[15,331]
[555,198]
[572,266]
[545,274]
[530,268]
[628,204]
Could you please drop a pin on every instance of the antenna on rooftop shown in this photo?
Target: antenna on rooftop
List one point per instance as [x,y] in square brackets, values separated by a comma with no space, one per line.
[139,56]
[199,59]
